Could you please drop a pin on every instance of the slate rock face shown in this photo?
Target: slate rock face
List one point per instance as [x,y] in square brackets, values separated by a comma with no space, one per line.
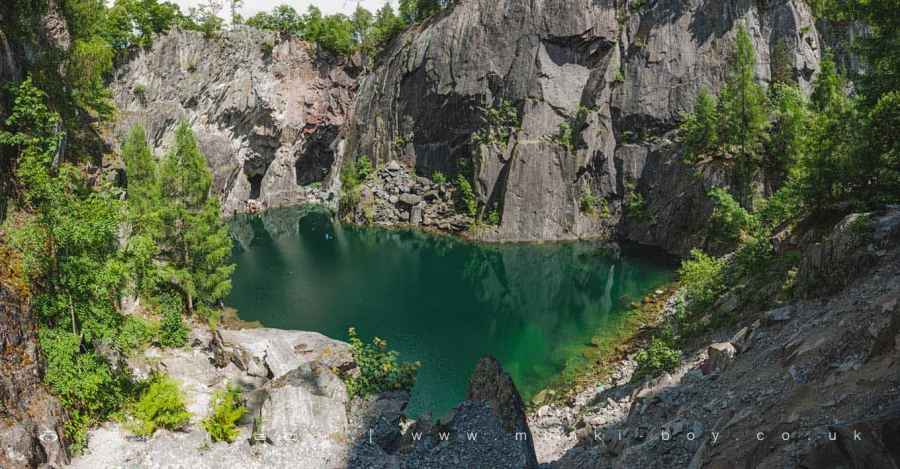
[266,111]
[633,70]
[31,419]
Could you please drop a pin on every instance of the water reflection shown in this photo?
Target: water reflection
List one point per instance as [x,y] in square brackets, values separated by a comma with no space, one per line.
[435,299]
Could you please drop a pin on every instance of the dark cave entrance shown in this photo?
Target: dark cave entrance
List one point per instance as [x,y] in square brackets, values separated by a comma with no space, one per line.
[255,186]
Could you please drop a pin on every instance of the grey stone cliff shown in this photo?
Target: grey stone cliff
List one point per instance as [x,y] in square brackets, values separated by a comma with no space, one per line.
[278,119]
[266,111]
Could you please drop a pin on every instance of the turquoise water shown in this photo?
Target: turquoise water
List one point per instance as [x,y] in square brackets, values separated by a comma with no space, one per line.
[435,299]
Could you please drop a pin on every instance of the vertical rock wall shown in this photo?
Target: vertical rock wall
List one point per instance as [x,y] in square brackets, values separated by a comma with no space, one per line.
[633,66]
[266,111]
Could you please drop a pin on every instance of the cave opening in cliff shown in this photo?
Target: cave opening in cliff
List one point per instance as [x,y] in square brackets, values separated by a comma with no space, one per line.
[255,186]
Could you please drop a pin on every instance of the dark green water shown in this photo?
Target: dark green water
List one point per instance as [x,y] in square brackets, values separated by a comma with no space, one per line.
[435,299]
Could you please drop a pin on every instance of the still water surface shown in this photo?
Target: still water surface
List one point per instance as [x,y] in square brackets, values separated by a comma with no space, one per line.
[436,299]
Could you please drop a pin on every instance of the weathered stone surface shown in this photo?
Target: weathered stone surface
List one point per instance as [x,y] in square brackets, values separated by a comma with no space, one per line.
[721,355]
[31,420]
[283,351]
[266,111]
[635,69]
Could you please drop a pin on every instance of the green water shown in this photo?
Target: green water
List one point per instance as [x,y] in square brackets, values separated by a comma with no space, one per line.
[435,299]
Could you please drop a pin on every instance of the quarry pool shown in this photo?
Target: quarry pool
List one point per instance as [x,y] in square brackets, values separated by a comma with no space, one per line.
[436,299]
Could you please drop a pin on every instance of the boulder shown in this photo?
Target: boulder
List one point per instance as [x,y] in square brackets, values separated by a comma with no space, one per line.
[721,355]
[492,385]
[306,405]
[409,199]
[778,315]
[282,351]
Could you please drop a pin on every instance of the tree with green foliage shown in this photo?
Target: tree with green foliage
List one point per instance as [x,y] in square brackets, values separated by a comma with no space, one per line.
[144,212]
[195,241]
[466,196]
[133,23]
[333,33]
[413,11]
[700,129]
[205,18]
[362,21]
[143,189]
[283,19]
[385,27]
[822,173]
[744,112]
[789,140]
[85,384]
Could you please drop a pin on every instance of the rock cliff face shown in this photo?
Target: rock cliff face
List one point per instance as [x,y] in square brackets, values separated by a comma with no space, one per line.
[632,68]
[276,119]
[266,111]
[30,419]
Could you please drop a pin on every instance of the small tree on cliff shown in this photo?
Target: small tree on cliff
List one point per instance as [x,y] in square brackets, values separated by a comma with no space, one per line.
[196,240]
[744,109]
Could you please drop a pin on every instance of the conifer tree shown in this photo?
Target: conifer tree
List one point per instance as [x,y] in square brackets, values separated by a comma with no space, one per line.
[744,110]
[144,209]
[700,129]
[143,182]
[196,240]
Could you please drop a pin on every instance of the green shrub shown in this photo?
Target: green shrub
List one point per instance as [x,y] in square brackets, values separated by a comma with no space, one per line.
[172,330]
[493,218]
[352,177]
[85,384]
[438,177]
[501,121]
[467,200]
[364,168]
[569,134]
[754,256]
[730,222]
[588,202]
[635,206]
[659,357]
[378,369]
[136,333]
[226,409]
[161,405]
[702,277]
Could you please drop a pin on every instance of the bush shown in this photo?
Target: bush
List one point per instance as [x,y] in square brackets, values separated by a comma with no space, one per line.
[136,333]
[85,384]
[659,357]
[501,120]
[172,330]
[635,206]
[364,168]
[438,177]
[754,256]
[161,406]
[493,218]
[352,176]
[569,134]
[467,200]
[226,409]
[730,222]
[702,277]
[378,368]
[588,202]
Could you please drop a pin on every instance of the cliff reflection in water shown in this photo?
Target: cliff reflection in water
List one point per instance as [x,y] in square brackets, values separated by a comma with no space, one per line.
[436,299]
